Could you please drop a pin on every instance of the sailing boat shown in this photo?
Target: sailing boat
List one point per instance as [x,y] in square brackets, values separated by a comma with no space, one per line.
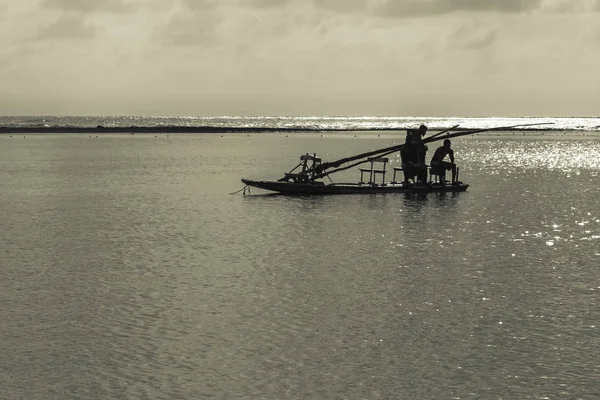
[305,178]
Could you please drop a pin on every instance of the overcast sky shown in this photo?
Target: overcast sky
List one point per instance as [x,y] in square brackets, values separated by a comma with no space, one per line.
[300,57]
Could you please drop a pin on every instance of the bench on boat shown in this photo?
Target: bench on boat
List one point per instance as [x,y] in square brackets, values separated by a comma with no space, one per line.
[436,175]
[377,167]
[412,175]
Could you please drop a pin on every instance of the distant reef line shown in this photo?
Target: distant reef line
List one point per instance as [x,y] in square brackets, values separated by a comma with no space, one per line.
[144,129]
[207,129]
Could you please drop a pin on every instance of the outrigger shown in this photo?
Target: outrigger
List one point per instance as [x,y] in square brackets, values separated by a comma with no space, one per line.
[304,178]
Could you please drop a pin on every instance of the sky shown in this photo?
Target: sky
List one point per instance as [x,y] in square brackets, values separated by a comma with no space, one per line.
[300,57]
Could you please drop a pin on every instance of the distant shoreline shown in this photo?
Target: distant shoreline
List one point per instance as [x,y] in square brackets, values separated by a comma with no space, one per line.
[142,129]
[207,129]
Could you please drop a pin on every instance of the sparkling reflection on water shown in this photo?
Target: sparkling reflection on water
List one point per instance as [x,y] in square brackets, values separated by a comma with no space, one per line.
[130,272]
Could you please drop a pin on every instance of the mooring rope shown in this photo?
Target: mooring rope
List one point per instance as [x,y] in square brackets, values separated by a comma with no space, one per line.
[244,189]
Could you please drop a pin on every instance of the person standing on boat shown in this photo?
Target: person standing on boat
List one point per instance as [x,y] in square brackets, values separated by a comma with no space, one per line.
[421,152]
[438,163]
[410,159]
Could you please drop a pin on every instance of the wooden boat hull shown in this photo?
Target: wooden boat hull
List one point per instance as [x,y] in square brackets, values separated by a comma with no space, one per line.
[320,188]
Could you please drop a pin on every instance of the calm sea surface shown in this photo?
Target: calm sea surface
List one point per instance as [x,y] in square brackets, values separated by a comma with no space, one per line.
[129,271]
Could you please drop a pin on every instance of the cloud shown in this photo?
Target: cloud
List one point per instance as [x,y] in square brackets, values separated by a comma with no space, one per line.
[421,8]
[298,56]
[571,6]
[412,8]
[67,27]
[415,8]
[209,24]
[88,6]
[344,5]
[473,37]
[201,23]
[188,30]
[200,4]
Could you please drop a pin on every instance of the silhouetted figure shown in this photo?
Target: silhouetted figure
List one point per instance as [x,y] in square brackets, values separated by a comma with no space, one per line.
[409,134]
[411,164]
[439,165]
[417,137]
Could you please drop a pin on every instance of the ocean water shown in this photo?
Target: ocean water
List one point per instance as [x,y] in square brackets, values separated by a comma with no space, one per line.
[129,271]
[573,124]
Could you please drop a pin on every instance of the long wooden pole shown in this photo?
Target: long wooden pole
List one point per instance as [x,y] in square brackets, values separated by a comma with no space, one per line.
[399,147]
[430,139]
[320,170]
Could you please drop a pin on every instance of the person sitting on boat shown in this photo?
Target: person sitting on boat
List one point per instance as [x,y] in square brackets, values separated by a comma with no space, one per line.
[411,165]
[438,163]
